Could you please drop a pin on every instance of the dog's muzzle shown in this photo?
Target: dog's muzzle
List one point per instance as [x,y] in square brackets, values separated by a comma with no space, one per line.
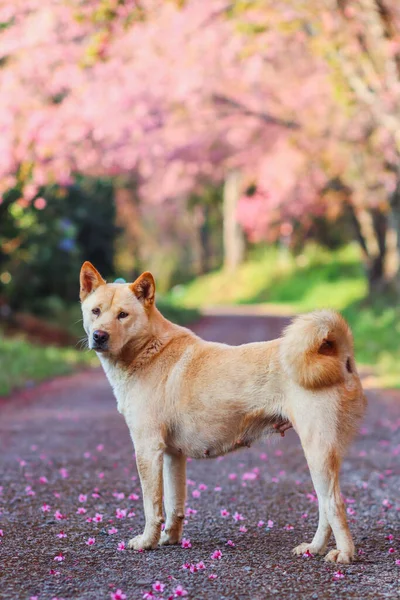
[100,340]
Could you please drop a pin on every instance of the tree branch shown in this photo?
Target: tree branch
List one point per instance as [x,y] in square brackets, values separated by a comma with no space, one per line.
[271,120]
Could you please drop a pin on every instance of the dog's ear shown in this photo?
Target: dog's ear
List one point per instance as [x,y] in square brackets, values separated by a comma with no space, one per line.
[90,280]
[144,289]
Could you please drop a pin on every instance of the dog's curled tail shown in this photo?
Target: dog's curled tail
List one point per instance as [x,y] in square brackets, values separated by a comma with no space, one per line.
[317,350]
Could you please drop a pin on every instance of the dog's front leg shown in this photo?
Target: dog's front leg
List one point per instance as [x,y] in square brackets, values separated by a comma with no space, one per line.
[174,497]
[149,460]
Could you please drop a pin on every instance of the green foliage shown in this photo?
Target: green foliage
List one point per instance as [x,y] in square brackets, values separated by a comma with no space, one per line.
[43,248]
[177,314]
[376,328]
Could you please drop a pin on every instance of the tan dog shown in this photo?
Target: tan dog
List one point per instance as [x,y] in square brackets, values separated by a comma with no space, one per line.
[182,396]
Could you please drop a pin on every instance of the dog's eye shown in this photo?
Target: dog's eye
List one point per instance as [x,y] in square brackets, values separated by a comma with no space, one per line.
[96,311]
[122,315]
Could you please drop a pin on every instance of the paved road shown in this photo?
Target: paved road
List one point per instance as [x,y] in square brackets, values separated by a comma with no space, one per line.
[65,438]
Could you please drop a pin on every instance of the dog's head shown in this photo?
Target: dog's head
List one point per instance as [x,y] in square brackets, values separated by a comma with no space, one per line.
[114,313]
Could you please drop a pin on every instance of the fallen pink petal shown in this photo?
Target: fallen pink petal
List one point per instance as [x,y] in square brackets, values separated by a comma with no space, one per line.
[90,541]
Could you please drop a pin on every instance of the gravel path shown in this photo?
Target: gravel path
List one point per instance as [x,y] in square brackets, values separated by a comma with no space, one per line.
[67,466]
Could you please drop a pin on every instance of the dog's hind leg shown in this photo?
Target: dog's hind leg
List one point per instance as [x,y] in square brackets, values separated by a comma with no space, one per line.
[324,462]
[174,497]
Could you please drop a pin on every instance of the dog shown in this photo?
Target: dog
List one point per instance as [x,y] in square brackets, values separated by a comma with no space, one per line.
[184,397]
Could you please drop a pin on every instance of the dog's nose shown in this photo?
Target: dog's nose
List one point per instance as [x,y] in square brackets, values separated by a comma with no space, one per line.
[100,337]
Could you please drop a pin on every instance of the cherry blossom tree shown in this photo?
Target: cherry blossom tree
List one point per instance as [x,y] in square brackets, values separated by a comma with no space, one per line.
[170,98]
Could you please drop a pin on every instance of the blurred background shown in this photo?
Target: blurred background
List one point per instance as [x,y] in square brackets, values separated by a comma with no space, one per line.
[246,152]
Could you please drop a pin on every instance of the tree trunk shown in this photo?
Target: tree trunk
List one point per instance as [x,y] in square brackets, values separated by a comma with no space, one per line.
[395,223]
[233,237]
[128,218]
[371,232]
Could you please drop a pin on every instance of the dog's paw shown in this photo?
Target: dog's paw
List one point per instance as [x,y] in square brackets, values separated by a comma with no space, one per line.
[344,557]
[307,547]
[140,542]
[168,538]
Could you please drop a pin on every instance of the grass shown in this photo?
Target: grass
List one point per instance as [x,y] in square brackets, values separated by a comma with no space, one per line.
[315,279]
[318,278]
[24,363]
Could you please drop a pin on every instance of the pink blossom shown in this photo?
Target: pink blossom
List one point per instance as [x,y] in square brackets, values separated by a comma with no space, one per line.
[397,562]
[148,596]
[260,523]
[202,487]
[186,543]
[179,591]
[212,576]
[307,554]
[190,511]
[1,533]
[133,497]
[243,529]
[82,497]
[390,537]
[196,494]
[60,557]
[45,507]
[249,476]
[90,541]
[158,586]
[100,447]
[225,513]
[230,543]
[59,516]
[201,566]
[64,473]
[238,517]
[118,595]
[120,513]
[62,534]
[216,555]
[288,527]
[121,546]
[338,575]
[392,550]
[81,510]
[112,530]
[98,518]
[232,476]
[43,479]
[119,495]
